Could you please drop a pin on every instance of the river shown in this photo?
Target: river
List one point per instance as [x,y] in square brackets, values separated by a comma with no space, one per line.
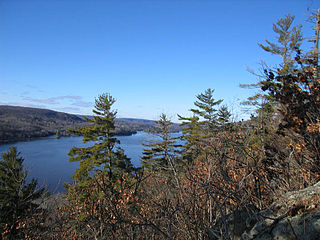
[47,159]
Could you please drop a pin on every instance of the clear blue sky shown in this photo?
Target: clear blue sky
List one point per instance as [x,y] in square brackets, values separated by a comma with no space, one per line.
[153,56]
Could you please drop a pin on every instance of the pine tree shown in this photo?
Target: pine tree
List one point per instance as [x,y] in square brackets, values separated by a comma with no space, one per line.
[267,107]
[161,155]
[202,125]
[16,197]
[289,39]
[104,154]
[223,117]
[204,117]
[298,92]
[206,110]
[105,180]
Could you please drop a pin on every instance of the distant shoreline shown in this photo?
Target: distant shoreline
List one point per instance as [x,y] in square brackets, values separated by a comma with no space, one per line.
[53,136]
[19,124]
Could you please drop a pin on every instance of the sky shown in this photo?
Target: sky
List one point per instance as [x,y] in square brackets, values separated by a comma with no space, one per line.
[152,56]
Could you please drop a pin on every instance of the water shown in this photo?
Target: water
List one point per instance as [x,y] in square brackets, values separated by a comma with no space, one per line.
[48,162]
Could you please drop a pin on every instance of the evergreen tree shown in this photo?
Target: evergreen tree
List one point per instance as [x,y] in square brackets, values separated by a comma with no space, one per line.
[104,180]
[223,117]
[16,197]
[204,119]
[289,39]
[161,155]
[105,154]
[206,110]
[202,125]
[299,93]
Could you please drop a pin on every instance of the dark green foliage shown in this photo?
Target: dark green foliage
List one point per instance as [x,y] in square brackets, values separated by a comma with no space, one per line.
[206,110]
[206,121]
[204,117]
[191,128]
[223,117]
[102,177]
[105,154]
[16,197]
[289,39]
[161,155]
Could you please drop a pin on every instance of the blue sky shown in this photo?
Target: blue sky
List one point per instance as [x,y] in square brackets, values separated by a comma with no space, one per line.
[153,56]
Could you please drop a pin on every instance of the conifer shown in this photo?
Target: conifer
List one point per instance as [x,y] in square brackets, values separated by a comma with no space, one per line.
[203,124]
[16,197]
[164,154]
[105,154]
[289,39]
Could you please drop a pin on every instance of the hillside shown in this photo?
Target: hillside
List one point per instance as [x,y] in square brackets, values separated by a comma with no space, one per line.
[24,123]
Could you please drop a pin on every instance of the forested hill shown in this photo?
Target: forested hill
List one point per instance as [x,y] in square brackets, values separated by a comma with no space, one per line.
[24,123]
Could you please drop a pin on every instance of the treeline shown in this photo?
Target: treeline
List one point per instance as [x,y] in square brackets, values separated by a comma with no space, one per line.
[23,123]
[193,190]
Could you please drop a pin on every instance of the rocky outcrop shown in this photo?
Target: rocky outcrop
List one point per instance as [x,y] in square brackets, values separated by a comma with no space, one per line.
[233,225]
[295,215]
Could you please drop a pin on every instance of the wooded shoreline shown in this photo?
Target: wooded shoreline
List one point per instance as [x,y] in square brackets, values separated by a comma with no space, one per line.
[26,124]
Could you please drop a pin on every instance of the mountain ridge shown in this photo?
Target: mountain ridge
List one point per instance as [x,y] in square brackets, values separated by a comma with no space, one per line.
[19,123]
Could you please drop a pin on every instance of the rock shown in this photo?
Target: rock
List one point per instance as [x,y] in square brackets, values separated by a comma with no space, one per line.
[295,215]
[235,223]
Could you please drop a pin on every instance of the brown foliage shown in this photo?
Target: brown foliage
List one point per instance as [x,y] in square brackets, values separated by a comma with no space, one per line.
[298,92]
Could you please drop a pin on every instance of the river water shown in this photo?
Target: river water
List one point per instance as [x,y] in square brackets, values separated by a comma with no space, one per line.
[47,159]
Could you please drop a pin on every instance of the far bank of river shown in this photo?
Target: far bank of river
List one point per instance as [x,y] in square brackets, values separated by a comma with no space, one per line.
[47,159]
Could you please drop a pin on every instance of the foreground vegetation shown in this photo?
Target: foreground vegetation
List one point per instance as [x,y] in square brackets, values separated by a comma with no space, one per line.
[190,191]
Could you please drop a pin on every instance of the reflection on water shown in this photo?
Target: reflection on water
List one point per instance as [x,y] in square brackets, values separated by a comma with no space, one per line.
[47,159]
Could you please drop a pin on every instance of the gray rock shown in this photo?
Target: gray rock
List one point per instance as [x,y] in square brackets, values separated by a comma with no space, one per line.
[295,215]
[235,223]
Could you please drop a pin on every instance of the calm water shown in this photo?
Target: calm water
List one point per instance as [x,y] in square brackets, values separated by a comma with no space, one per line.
[48,162]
